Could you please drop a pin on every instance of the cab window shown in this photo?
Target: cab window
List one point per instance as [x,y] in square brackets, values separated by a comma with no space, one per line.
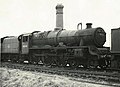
[25,38]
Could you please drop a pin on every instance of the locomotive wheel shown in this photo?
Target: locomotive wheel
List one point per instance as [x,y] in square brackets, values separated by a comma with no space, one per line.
[63,64]
[60,62]
[103,63]
[73,63]
[92,64]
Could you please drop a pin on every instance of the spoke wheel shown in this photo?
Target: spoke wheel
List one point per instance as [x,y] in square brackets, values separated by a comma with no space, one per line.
[103,64]
[73,64]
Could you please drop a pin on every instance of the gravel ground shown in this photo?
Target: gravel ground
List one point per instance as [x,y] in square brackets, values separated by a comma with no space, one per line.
[18,78]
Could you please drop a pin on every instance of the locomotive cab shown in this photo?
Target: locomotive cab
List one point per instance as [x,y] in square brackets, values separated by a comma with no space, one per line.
[25,43]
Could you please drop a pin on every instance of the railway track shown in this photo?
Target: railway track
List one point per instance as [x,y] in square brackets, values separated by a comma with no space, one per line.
[111,78]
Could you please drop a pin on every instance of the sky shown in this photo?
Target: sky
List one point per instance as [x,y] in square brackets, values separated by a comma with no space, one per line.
[25,16]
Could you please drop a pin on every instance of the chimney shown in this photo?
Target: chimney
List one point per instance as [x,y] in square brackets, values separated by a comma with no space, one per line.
[89,25]
[59,16]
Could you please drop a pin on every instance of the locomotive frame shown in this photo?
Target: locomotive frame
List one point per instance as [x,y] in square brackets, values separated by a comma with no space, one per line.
[55,48]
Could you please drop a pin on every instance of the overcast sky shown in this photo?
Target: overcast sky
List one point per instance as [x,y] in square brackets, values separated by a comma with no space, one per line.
[24,16]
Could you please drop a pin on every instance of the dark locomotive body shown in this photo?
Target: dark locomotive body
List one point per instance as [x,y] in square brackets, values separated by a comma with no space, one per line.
[59,47]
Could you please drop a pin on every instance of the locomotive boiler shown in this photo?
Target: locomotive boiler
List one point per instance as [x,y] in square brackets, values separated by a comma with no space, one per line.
[86,37]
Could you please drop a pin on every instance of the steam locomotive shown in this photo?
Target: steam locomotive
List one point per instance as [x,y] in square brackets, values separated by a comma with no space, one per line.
[59,47]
